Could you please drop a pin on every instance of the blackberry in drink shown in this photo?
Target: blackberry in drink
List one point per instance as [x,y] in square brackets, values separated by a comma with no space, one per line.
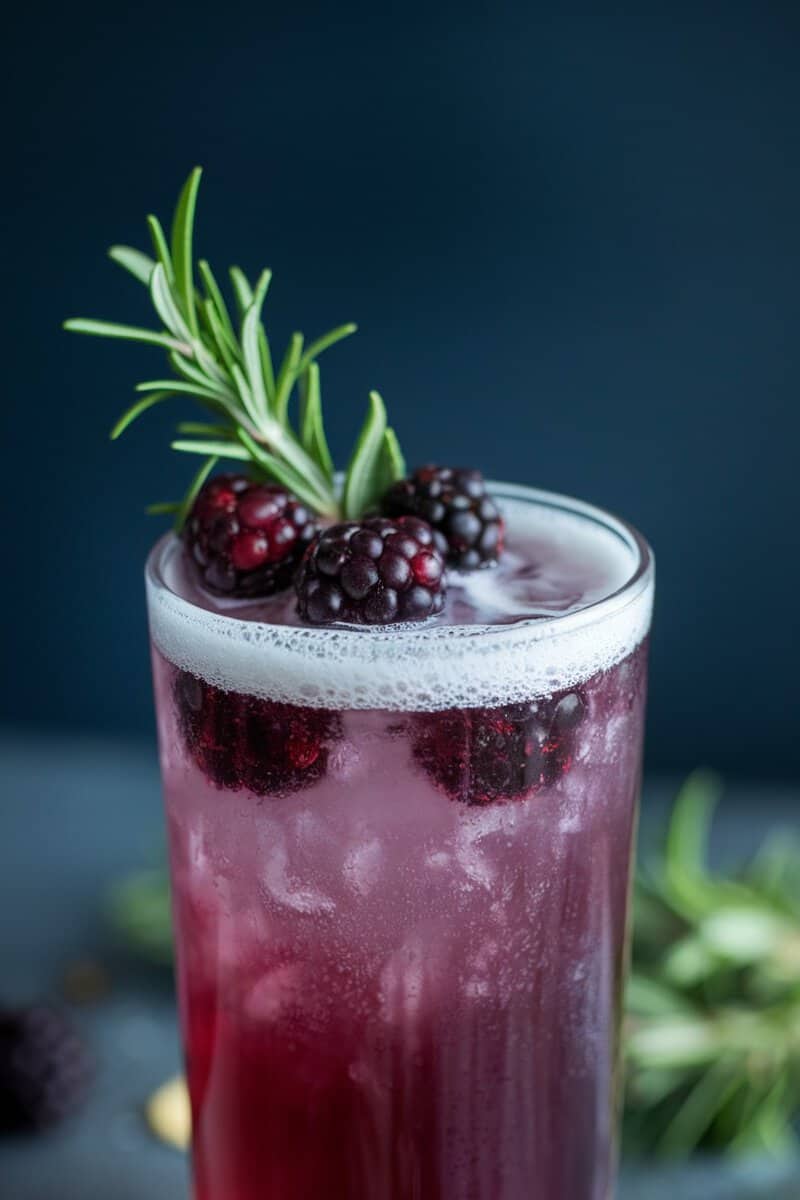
[400,726]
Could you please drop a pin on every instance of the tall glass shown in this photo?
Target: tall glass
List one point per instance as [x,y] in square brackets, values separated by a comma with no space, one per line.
[396,984]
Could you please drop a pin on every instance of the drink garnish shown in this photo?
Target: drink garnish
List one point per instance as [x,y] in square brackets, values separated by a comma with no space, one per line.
[224,361]
[466,522]
[246,538]
[247,533]
[373,572]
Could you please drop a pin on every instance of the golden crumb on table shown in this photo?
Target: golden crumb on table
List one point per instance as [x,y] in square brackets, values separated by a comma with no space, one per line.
[168,1113]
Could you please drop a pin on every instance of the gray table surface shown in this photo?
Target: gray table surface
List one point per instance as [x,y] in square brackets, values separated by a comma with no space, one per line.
[74,815]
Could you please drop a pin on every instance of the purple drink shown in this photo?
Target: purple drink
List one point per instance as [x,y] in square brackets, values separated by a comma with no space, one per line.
[400,765]
[400,866]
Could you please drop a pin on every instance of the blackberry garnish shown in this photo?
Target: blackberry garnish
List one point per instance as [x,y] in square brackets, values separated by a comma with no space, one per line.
[246,538]
[465,519]
[372,572]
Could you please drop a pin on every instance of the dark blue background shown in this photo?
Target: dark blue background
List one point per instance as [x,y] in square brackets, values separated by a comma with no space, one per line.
[570,238]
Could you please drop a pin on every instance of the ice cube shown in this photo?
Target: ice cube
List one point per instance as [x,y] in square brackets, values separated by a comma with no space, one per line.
[274,991]
[570,822]
[286,890]
[363,865]
[403,981]
[241,935]
[192,860]
[475,987]
[614,738]
[344,761]
[482,969]
[477,825]
[439,858]
[197,853]
[310,829]
[485,955]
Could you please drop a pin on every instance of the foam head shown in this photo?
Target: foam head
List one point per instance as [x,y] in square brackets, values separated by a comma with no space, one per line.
[440,665]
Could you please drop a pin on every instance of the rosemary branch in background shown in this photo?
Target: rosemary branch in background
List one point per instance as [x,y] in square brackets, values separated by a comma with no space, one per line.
[712,1032]
[713,1003]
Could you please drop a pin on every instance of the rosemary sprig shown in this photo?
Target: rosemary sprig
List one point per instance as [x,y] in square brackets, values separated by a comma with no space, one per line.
[225,363]
[713,1029]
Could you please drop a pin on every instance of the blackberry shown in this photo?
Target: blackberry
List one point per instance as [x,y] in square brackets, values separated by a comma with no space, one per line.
[483,755]
[44,1070]
[240,741]
[372,572]
[467,524]
[246,539]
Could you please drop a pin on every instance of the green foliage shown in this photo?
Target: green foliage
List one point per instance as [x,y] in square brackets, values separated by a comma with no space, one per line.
[713,1007]
[139,908]
[230,372]
[363,480]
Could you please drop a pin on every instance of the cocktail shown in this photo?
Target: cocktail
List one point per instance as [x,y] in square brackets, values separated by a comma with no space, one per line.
[400,726]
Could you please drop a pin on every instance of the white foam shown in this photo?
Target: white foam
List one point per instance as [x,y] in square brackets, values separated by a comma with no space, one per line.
[418,668]
[585,563]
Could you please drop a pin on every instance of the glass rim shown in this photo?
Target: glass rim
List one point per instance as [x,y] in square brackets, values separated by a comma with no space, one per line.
[541,627]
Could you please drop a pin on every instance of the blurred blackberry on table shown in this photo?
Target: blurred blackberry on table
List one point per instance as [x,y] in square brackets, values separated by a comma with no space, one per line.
[44,1069]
